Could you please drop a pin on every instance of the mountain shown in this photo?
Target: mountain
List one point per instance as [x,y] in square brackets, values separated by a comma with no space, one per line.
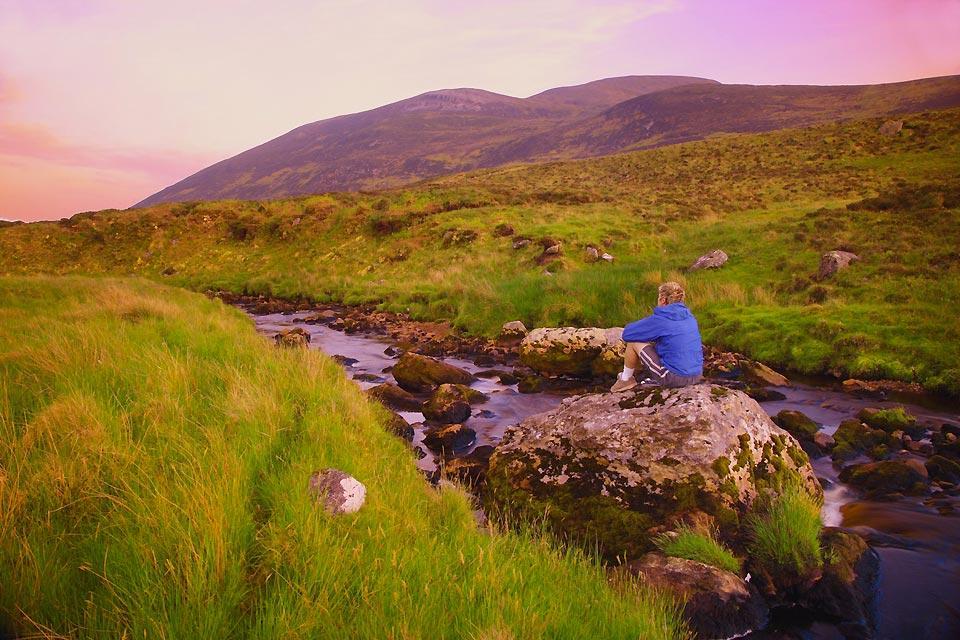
[428,135]
[455,130]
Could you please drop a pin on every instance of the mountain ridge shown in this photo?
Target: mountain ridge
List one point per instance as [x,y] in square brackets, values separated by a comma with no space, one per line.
[454,130]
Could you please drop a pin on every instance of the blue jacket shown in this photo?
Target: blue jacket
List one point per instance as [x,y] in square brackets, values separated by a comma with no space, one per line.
[676,337]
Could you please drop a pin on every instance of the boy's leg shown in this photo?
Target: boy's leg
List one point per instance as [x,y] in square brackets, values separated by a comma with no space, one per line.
[631,360]
[647,356]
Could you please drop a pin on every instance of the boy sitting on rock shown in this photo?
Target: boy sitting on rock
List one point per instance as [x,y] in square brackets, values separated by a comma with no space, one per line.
[667,343]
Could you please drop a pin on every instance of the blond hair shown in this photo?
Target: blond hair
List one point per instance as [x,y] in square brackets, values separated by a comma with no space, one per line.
[671,292]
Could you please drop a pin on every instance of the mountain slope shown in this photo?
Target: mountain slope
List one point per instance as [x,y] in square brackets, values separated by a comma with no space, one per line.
[431,134]
[455,130]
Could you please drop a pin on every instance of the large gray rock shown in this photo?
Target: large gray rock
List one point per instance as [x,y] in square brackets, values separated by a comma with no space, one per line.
[573,351]
[337,491]
[610,467]
[713,260]
[512,332]
[833,261]
[716,603]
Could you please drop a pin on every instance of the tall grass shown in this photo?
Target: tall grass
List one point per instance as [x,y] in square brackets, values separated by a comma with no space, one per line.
[154,459]
[699,545]
[785,537]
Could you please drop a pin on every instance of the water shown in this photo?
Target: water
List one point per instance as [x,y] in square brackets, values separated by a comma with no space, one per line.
[919,546]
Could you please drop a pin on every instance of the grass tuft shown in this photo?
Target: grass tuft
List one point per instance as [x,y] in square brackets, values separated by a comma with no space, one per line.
[785,537]
[700,546]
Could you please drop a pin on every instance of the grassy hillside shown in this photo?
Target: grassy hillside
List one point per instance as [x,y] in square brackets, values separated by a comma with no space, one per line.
[775,202]
[154,457]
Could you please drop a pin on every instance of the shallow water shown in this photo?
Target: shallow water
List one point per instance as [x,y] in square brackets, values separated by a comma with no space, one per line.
[919,548]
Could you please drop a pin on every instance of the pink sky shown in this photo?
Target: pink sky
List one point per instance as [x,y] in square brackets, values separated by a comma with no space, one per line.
[103,102]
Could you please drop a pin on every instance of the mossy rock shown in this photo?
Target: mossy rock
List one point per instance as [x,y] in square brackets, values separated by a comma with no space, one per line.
[422,374]
[447,405]
[797,424]
[941,468]
[853,438]
[890,420]
[880,479]
[610,470]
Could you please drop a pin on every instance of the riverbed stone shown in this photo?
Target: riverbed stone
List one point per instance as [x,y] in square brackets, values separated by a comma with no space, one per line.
[338,492]
[944,469]
[797,424]
[716,603]
[847,589]
[422,374]
[611,467]
[854,437]
[449,438]
[573,351]
[394,397]
[470,469]
[759,373]
[880,479]
[891,420]
[512,332]
[447,405]
[293,338]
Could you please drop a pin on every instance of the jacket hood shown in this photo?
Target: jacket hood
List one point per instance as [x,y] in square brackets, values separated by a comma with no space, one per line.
[673,311]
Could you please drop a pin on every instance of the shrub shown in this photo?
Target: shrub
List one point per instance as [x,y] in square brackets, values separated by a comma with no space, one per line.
[700,546]
[785,537]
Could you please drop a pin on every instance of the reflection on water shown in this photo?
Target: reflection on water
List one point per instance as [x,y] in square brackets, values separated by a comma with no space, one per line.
[919,548]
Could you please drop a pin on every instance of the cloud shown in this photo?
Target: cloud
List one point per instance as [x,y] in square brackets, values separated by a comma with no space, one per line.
[38,142]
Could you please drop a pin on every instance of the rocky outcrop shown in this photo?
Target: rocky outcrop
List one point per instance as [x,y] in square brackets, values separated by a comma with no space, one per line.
[394,397]
[573,351]
[423,374]
[832,261]
[716,603]
[447,405]
[610,467]
[713,260]
[890,128]
[295,337]
[336,491]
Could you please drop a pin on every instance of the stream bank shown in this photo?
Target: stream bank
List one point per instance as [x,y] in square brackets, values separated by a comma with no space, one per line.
[917,538]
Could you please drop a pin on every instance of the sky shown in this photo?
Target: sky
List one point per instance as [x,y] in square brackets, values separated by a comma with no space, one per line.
[104,102]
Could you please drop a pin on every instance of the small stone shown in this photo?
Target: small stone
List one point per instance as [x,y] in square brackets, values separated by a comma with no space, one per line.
[512,331]
[713,260]
[295,337]
[833,261]
[606,257]
[591,254]
[337,491]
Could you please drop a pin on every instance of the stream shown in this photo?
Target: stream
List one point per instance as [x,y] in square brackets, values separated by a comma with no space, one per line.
[917,539]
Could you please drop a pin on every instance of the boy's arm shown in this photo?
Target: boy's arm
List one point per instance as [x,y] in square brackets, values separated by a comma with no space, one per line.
[644,330]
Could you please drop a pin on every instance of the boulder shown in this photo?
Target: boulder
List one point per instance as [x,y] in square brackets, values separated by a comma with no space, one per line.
[472,395]
[449,438]
[609,467]
[423,374]
[853,438]
[891,420]
[323,317]
[940,468]
[572,351]
[336,491]
[890,128]
[879,479]
[833,261]
[512,332]
[847,589]
[797,424]
[713,260]
[394,397]
[590,254]
[295,337]
[447,405]
[759,373]
[399,427]
[716,603]
[824,441]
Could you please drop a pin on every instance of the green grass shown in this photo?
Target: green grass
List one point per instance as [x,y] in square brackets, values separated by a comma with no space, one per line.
[785,537]
[774,202]
[694,544]
[154,457]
